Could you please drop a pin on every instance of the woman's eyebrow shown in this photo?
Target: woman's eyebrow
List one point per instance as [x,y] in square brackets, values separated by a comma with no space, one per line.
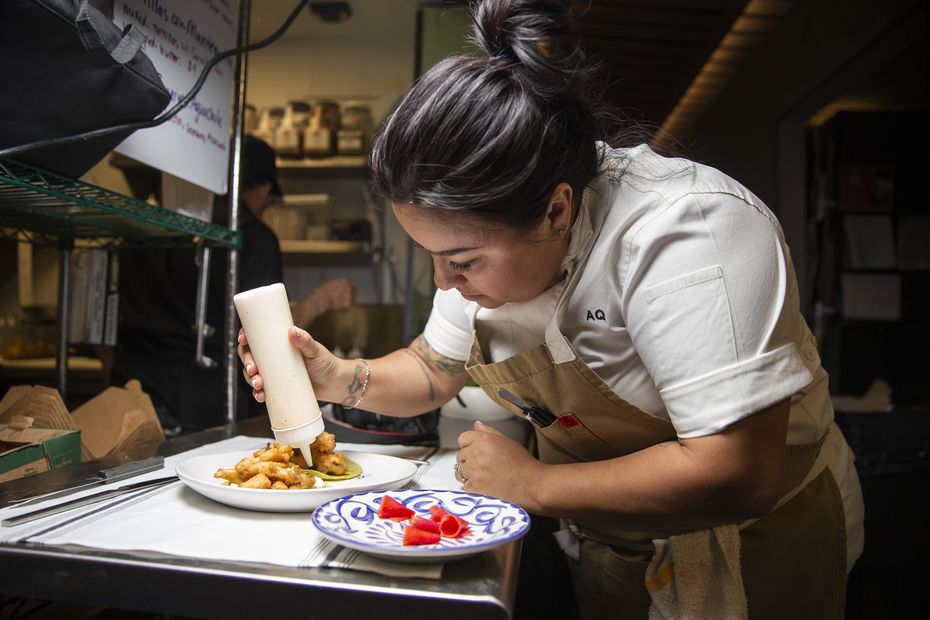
[450,252]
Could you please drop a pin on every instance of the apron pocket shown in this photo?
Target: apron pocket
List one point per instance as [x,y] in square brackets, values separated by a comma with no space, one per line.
[569,436]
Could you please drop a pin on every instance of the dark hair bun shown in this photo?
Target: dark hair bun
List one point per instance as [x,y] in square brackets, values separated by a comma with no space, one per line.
[532,34]
[491,137]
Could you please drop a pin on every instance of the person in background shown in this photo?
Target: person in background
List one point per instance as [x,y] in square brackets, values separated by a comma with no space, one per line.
[156,342]
[647,307]
[260,259]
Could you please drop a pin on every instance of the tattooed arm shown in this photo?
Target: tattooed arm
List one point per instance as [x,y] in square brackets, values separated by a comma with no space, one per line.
[408,381]
[403,383]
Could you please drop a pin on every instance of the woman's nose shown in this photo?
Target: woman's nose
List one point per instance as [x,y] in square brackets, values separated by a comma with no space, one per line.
[444,277]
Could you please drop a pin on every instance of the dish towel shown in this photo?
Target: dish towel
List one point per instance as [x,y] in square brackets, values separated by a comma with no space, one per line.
[696,576]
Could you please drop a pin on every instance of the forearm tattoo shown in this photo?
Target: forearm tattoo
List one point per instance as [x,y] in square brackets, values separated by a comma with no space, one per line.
[426,355]
[358,380]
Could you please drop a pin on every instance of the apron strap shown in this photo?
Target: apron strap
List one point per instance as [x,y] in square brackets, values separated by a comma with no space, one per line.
[559,348]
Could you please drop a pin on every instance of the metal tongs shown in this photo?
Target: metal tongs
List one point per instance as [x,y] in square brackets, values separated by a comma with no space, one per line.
[537,415]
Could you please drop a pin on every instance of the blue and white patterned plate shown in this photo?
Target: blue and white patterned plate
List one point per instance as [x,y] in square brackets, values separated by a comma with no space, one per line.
[353,522]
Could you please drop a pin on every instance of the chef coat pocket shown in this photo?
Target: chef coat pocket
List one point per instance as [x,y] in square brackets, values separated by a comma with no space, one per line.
[569,435]
[676,284]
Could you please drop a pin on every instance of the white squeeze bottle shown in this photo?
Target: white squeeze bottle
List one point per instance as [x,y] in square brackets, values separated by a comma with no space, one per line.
[292,406]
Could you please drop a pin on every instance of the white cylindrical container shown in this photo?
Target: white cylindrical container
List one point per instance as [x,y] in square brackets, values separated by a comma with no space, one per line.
[292,405]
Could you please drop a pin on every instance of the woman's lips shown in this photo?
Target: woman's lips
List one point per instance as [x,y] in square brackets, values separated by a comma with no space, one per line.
[471,297]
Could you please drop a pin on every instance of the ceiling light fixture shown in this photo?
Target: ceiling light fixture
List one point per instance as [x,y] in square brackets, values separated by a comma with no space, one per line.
[758,18]
[331,12]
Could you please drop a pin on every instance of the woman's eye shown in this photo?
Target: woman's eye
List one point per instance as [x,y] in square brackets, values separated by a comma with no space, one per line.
[460,267]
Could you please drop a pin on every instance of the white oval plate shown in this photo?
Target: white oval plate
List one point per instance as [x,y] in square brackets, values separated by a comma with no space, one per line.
[353,522]
[378,472]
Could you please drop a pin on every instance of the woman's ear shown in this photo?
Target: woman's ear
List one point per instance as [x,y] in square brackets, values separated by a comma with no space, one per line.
[559,212]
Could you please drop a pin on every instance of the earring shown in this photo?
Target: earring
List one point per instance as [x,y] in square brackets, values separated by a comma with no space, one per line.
[561,233]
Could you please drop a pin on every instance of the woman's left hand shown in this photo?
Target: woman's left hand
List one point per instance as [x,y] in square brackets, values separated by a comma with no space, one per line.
[493,464]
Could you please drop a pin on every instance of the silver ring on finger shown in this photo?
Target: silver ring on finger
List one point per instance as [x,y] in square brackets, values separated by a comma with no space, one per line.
[457,470]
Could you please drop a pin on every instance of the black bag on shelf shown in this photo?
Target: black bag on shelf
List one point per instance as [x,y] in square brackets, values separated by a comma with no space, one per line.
[67,68]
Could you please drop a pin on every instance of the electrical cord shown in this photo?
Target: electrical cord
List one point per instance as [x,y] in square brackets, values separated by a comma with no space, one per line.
[158,120]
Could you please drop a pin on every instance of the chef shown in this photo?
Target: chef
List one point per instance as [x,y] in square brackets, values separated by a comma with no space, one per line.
[643,313]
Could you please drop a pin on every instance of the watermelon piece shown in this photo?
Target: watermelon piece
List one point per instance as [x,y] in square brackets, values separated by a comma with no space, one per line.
[425,524]
[392,509]
[449,525]
[453,527]
[437,513]
[418,536]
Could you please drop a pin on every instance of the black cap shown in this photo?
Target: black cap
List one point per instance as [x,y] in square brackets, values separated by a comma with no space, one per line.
[258,165]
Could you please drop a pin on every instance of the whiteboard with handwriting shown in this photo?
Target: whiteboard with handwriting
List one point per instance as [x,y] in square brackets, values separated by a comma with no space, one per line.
[180,38]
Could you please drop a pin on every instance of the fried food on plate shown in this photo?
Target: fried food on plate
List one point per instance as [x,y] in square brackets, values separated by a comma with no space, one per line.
[229,475]
[258,481]
[278,466]
[276,452]
[325,458]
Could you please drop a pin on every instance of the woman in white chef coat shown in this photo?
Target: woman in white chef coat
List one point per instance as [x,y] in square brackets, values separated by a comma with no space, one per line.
[649,304]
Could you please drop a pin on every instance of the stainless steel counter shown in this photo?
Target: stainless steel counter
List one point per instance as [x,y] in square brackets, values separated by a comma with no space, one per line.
[478,586]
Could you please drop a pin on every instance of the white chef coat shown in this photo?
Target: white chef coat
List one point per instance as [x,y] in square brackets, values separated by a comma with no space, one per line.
[688,308]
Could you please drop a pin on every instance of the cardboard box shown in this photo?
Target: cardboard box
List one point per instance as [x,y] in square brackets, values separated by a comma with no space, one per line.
[112,422]
[117,420]
[26,450]
[43,405]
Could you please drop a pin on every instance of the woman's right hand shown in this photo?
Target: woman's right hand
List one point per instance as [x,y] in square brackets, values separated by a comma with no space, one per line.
[320,363]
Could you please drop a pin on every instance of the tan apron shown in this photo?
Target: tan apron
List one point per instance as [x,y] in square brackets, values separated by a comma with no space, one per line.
[793,559]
